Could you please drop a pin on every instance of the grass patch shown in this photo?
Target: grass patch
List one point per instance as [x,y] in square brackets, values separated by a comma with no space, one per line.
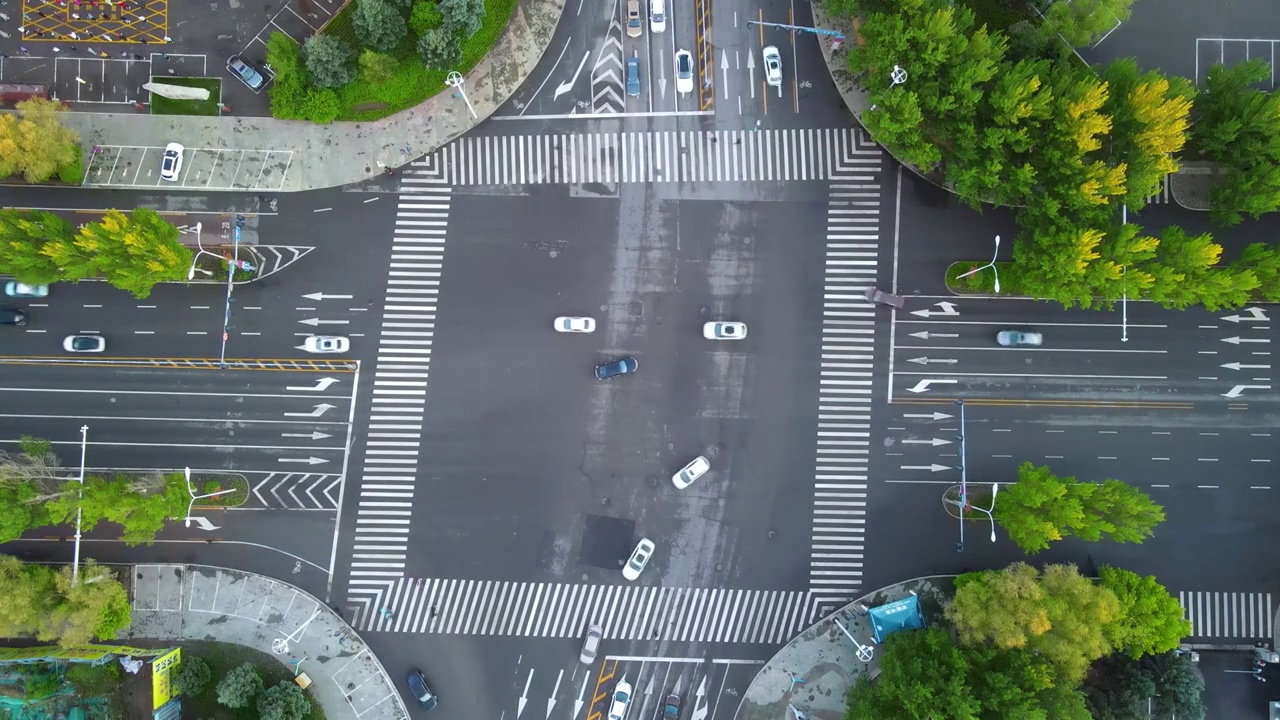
[161,105]
[207,484]
[222,659]
[412,82]
[983,282]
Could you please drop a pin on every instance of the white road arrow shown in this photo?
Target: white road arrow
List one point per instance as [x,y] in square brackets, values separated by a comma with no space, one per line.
[724,71]
[551,701]
[322,408]
[317,321]
[1239,366]
[700,713]
[322,296]
[204,523]
[317,435]
[307,460]
[932,441]
[930,416]
[1235,391]
[1237,340]
[662,77]
[524,696]
[931,468]
[321,384]
[925,334]
[579,702]
[1255,315]
[751,73]
[926,361]
[947,309]
[565,87]
[924,384]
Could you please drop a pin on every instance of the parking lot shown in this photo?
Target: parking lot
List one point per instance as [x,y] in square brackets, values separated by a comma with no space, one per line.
[202,168]
[1230,51]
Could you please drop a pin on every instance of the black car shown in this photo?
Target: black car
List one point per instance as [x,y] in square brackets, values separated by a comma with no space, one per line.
[671,708]
[418,688]
[625,366]
[12,317]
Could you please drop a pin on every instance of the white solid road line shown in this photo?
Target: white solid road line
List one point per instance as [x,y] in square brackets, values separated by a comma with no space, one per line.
[1036,323]
[1034,375]
[997,348]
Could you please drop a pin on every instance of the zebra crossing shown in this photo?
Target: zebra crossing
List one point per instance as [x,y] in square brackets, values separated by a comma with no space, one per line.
[399,388]
[1243,615]
[658,156]
[562,610]
[844,389]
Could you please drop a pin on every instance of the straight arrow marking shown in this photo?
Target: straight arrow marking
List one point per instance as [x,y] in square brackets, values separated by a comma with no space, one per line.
[317,435]
[307,460]
[551,701]
[931,468]
[925,334]
[930,416]
[317,321]
[1237,340]
[524,696]
[932,441]
[927,360]
[1238,366]
[322,296]
[579,702]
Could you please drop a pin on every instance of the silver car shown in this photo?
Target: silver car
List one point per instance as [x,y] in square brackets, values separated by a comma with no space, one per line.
[591,644]
[1019,338]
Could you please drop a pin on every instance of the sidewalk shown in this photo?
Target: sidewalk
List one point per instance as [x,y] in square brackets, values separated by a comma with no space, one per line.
[340,153]
[199,602]
[825,659]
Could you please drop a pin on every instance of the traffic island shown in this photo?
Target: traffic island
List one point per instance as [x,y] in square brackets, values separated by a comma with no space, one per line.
[813,673]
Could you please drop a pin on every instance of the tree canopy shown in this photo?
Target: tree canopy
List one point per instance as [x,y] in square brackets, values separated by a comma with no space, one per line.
[42,602]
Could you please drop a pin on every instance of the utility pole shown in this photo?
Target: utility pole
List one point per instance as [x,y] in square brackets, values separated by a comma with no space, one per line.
[75,562]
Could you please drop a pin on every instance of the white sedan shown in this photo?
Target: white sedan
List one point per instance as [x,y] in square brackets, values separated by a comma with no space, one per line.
[724,330]
[14,288]
[691,472]
[575,324]
[326,344]
[639,558]
[171,162]
[84,343]
[621,699]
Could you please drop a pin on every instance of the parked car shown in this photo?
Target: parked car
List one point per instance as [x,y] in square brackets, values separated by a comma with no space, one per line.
[671,708]
[591,644]
[171,161]
[880,297]
[84,343]
[421,692]
[657,15]
[574,324]
[639,558]
[10,316]
[684,71]
[772,66]
[625,366]
[246,73]
[691,472]
[635,24]
[724,330]
[326,344]
[13,288]
[633,76]
[621,700]
[1019,338]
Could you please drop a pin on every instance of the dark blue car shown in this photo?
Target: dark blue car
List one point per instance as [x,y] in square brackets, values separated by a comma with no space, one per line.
[417,682]
[633,76]
[625,366]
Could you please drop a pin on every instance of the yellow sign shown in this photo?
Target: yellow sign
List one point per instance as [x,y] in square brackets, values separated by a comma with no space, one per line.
[162,668]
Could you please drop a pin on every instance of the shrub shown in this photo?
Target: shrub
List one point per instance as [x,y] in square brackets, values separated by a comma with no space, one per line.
[462,17]
[321,105]
[193,676]
[425,16]
[376,68]
[285,701]
[439,48]
[329,61]
[239,686]
[73,172]
[379,25]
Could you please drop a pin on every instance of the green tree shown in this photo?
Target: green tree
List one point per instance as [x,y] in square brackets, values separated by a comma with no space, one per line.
[37,145]
[132,252]
[29,595]
[1179,685]
[1259,258]
[321,105]
[1238,126]
[23,237]
[1008,683]
[284,701]
[1119,687]
[329,61]
[1117,511]
[96,606]
[1081,23]
[239,687]
[922,675]
[193,676]
[379,26]
[288,91]
[425,16]
[377,68]
[462,18]
[139,504]
[439,48]
[26,479]
[1151,620]
[1150,120]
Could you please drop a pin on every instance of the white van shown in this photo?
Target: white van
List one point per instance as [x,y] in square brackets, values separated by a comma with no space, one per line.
[657,15]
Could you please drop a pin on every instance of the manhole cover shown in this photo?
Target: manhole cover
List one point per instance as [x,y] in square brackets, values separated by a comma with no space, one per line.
[637,308]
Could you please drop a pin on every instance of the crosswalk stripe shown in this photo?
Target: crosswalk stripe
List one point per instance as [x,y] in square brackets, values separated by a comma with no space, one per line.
[652,156]
[1228,614]
[559,610]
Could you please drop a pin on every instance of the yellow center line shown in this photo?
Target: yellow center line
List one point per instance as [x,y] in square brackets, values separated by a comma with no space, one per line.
[596,695]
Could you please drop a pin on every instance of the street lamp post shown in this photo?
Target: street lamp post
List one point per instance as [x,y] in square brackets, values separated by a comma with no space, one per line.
[898,76]
[995,488]
[191,272]
[964,487]
[75,562]
[194,497]
[1124,298]
[991,265]
[231,273]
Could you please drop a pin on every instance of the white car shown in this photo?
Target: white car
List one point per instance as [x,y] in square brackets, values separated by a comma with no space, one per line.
[684,71]
[772,66]
[326,344]
[621,699]
[84,343]
[591,644]
[639,558]
[724,330]
[657,15]
[14,288]
[691,472]
[171,162]
[575,324]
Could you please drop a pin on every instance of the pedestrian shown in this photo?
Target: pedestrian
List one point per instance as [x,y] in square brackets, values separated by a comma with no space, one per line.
[124,54]
[137,56]
[104,54]
[165,56]
[23,51]
[172,71]
[433,611]
[4,56]
[142,40]
[390,171]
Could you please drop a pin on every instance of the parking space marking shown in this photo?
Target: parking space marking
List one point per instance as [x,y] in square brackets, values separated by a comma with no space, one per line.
[1229,51]
[203,168]
[298,27]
